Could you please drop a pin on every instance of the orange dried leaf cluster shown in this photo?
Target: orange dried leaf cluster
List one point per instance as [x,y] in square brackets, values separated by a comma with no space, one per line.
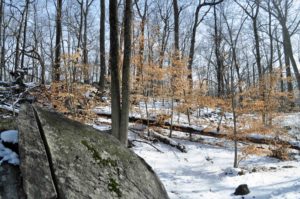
[76,101]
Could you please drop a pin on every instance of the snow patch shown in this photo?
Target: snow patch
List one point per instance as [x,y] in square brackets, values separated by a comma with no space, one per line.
[102,127]
[207,172]
[10,136]
[8,155]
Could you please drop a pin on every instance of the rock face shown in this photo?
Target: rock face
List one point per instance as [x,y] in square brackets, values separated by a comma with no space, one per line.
[7,123]
[34,163]
[86,163]
[10,182]
[242,190]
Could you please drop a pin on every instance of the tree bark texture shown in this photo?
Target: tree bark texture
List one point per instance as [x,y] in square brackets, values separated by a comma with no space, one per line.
[114,64]
[102,48]
[57,59]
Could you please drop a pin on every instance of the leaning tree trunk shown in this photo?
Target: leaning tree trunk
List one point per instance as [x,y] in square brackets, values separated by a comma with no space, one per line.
[288,66]
[290,54]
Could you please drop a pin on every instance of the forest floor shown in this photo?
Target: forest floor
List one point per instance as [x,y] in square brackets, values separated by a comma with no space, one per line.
[206,170]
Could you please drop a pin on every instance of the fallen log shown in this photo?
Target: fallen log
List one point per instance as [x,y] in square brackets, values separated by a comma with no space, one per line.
[208,132]
[148,144]
[9,108]
[5,84]
[167,140]
[155,137]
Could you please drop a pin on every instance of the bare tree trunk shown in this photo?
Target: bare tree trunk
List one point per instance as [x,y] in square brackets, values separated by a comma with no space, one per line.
[233,43]
[114,64]
[220,65]
[176,28]
[86,66]
[192,47]
[271,59]
[257,50]
[102,48]
[56,66]
[164,42]
[288,67]
[2,60]
[141,39]
[261,83]
[18,38]
[193,38]
[176,57]
[51,34]
[1,38]
[233,108]
[85,51]
[281,10]
[280,62]
[126,73]
[43,66]
[289,48]
[24,32]
[79,38]
[172,114]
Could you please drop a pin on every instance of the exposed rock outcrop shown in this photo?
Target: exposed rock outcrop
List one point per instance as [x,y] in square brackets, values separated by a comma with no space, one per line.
[10,187]
[86,163]
[7,123]
[35,168]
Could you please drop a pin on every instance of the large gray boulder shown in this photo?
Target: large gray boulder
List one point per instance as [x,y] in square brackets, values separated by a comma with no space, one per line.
[86,163]
[35,168]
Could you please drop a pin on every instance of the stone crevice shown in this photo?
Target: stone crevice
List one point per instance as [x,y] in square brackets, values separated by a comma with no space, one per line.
[48,153]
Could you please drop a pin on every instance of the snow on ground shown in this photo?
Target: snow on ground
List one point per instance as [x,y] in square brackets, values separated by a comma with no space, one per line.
[101,127]
[291,122]
[9,136]
[9,108]
[6,154]
[201,173]
[206,170]
[202,118]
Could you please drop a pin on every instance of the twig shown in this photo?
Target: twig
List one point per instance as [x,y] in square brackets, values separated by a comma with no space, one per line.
[148,144]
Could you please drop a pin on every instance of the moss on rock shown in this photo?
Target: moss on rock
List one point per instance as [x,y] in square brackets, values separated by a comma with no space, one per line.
[113,186]
[97,157]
